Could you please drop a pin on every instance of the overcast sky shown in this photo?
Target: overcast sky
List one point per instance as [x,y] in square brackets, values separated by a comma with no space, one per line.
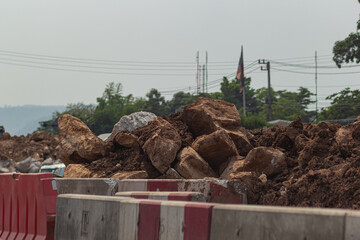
[142,38]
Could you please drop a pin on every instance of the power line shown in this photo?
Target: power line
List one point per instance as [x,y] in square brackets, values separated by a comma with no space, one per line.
[323,73]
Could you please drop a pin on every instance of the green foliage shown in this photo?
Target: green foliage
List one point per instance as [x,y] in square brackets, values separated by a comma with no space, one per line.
[348,50]
[80,110]
[111,107]
[179,100]
[290,105]
[253,121]
[231,93]
[155,103]
[345,103]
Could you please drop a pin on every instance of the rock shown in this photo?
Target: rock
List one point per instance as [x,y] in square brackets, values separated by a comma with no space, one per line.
[78,144]
[131,175]
[131,122]
[34,167]
[8,164]
[126,139]
[25,165]
[162,144]
[5,136]
[48,161]
[263,178]
[58,161]
[266,160]
[205,116]
[4,170]
[104,136]
[192,166]
[215,148]
[251,183]
[76,171]
[241,142]
[171,174]
[39,136]
[235,165]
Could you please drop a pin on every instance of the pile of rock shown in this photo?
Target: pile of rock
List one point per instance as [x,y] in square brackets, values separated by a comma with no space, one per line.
[205,140]
[26,154]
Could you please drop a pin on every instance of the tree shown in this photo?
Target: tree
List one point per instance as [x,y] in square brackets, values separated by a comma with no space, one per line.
[80,110]
[348,50]
[179,100]
[345,103]
[231,93]
[155,103]
[111,107]
[285,104]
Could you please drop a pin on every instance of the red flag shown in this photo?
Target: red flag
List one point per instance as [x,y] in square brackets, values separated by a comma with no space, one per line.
[240,71]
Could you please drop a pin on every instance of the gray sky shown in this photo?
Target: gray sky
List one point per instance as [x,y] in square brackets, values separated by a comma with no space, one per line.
[158,31]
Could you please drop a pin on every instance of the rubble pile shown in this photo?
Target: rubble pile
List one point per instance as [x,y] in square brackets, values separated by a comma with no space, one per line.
[315,165]
[26,154]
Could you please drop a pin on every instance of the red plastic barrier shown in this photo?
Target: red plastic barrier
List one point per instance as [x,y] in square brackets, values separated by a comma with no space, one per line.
[27,206]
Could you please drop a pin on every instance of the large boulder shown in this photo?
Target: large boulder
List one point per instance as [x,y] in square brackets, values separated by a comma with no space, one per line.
[161,144]
[241,142]
[215,148]
[192,166]
[234,166]
[205,116]
[78,144]
[131,122]
[76,171]
[266,160]
[126,139]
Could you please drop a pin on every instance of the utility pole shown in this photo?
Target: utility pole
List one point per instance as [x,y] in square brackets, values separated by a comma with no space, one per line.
[316,92]
[203,79]
[269,86]
[206,72]
[197,73]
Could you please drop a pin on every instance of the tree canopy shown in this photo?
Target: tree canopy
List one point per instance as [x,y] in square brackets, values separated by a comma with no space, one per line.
[348,50]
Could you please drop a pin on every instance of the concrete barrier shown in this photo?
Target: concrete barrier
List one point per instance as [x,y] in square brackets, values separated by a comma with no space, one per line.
[105,217]
[216,191]
[171,196]
[261,222]
[92,186]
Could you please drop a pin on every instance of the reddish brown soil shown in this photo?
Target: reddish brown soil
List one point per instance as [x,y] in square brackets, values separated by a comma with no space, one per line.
[321,170]
[123,159]
[40,145]
[320,173]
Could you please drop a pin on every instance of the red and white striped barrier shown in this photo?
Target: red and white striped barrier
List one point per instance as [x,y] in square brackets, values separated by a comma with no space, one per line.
[216,191]
[27,206]
[171,196]
[102,217]
[105,217]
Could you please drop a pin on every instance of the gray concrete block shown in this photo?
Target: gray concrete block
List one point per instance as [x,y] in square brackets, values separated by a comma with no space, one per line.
[352,225]
[95,217]
[276,223]
[92,186]
[132,185]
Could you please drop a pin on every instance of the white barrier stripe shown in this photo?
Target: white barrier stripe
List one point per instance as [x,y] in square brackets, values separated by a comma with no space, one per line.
[172,221]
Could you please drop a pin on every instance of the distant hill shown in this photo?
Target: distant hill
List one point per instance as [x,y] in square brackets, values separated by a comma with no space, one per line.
[22,120]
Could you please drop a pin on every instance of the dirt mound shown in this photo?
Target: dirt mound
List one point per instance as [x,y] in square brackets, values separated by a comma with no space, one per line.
[322,165]
[312,165]
[40,146]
